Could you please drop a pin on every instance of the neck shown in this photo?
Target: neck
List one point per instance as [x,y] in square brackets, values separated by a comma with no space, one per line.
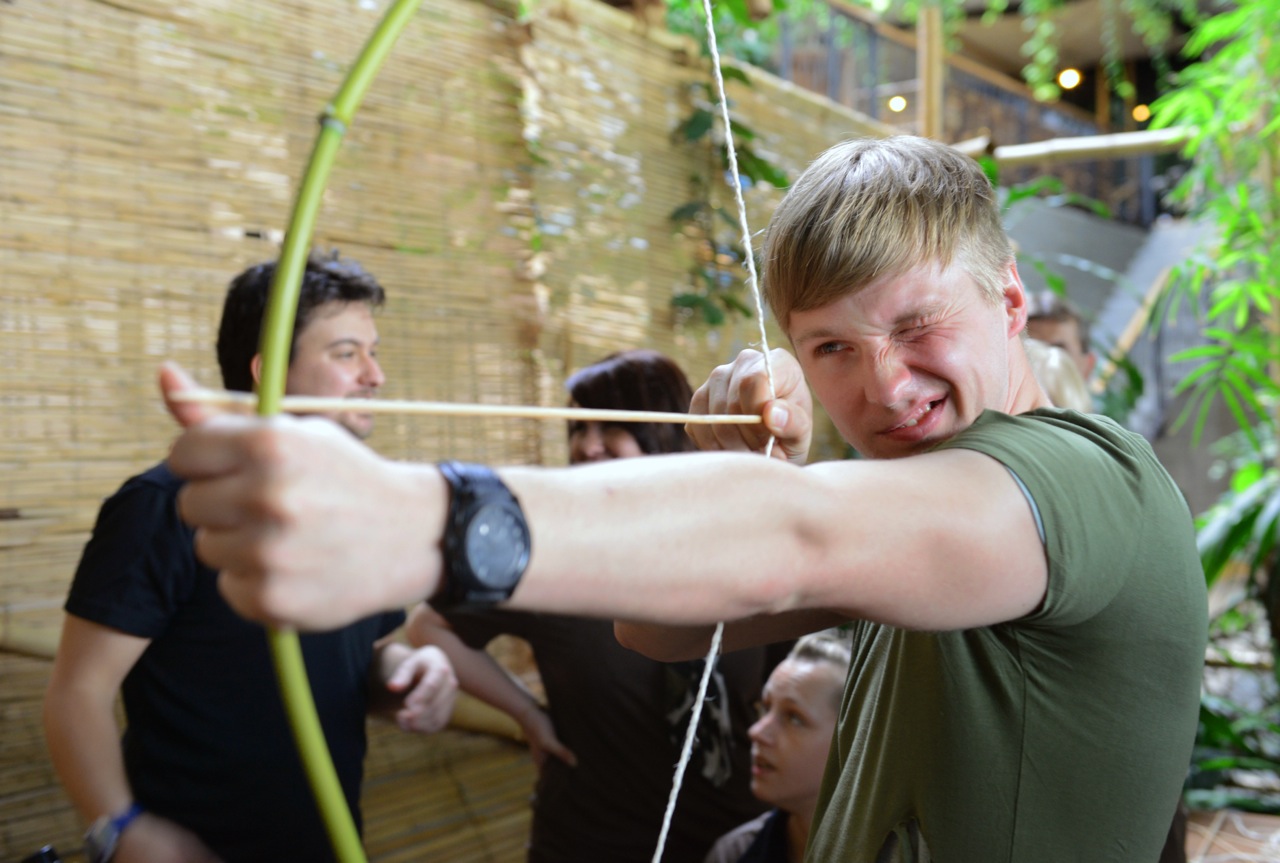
[1025,392]
[798,834]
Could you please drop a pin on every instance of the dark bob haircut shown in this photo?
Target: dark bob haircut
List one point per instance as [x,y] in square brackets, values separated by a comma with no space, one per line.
[639,380]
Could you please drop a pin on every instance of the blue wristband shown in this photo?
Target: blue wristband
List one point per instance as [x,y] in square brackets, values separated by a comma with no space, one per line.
[104,834]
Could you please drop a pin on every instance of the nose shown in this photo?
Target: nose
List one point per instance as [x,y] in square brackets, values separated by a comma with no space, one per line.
[761,730]
[887,378]
[588,444]
[372,376]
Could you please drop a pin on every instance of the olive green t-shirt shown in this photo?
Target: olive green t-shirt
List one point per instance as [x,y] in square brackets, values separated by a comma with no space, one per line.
[1062,736]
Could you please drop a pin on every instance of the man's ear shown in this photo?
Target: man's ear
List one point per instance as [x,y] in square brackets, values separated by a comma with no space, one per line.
[1015,300]
[255,369]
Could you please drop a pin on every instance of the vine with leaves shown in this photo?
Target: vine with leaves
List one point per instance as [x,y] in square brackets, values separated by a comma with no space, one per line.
[717,275]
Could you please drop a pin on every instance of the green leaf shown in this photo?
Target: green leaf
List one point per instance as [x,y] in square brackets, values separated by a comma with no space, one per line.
[688,212]
[711,314]
[696,125]
[734,303]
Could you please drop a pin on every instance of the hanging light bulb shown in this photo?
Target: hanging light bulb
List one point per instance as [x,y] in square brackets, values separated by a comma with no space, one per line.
[1069,79]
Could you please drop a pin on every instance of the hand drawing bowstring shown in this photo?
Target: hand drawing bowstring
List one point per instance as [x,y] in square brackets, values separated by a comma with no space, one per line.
[282,305]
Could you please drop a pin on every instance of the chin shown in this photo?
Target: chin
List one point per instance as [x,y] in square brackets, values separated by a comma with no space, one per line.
[359,430]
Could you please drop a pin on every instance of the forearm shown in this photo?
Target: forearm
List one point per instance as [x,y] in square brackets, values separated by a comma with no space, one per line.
[84,746]
[479,674]
[680,540]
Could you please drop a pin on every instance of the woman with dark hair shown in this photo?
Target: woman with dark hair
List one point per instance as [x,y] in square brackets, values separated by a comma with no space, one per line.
[620,718]
[638,380]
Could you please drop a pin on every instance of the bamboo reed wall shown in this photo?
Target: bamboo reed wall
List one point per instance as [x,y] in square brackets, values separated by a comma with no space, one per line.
[508,180]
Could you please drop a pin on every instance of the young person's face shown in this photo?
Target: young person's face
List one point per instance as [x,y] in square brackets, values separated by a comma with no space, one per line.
[337,356]
[789,741]
[596,441]
[912,360]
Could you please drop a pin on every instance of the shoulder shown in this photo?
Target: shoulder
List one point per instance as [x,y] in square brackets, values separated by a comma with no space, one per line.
[1066,459]
[1049,430]
[730,847]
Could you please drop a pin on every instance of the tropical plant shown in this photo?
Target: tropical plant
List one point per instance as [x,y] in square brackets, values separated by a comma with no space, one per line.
[1228,98]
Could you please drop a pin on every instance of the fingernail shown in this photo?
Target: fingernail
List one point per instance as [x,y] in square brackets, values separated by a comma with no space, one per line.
[778,416]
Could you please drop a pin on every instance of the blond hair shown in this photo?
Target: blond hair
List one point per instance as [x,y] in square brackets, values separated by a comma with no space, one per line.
[1058,376]
[831,646]
[870,208]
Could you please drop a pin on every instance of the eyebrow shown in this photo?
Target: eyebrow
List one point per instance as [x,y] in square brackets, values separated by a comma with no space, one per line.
[929,310]
[350,340]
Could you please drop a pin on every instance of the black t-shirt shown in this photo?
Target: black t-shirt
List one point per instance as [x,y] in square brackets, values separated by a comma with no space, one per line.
[207,742]
[624,715]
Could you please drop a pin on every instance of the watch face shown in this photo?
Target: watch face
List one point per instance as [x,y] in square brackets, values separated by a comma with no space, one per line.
[497,544]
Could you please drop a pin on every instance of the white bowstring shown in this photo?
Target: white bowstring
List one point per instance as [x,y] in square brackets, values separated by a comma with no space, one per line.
[695,715]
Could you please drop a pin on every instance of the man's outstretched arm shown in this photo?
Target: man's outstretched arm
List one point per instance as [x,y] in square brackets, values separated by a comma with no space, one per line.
[313,529]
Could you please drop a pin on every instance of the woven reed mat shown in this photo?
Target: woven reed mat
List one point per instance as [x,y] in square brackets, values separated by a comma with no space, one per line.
[1228,836]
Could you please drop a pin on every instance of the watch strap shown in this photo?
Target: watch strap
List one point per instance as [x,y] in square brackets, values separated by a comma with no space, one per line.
[104,834]
[471,486]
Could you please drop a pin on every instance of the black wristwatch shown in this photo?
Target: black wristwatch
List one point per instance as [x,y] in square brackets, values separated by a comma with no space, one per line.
[104,834]
[486,539]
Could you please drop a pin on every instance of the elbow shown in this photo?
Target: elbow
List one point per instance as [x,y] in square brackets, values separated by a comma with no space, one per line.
[631,636]
[662,643]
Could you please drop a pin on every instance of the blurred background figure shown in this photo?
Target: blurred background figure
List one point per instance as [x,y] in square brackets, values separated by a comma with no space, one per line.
[617,720]
[789,745]
[1059,376]
[1054,321]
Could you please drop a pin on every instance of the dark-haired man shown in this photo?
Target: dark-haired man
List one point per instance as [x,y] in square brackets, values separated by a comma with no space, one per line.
[208,769]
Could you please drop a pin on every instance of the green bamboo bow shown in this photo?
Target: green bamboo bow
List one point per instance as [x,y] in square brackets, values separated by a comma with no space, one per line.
[277,333]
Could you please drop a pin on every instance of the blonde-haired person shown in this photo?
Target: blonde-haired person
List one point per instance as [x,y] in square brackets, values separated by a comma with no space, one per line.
[1025,686]
[789,747]
[1059,376]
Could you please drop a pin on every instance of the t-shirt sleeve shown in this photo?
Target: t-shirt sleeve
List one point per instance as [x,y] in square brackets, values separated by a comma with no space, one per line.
[389,622]
[139,565]
[1084,475]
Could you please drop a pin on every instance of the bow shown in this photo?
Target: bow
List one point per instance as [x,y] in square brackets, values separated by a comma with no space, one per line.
[276,339]
[282,307]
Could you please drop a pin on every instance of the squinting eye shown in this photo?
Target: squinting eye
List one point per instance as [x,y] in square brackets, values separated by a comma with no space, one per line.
[828,348]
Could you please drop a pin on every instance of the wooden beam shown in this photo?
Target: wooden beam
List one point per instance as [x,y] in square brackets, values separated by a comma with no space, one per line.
[1119,145]
[930,69]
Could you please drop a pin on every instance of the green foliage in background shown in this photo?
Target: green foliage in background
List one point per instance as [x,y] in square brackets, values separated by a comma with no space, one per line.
[709,220]
[1228,96]
[755,41]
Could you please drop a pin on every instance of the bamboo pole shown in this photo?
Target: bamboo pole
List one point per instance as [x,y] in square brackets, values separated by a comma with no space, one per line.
[930,67]
[1134,328]
[317,404]
[1115,146]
